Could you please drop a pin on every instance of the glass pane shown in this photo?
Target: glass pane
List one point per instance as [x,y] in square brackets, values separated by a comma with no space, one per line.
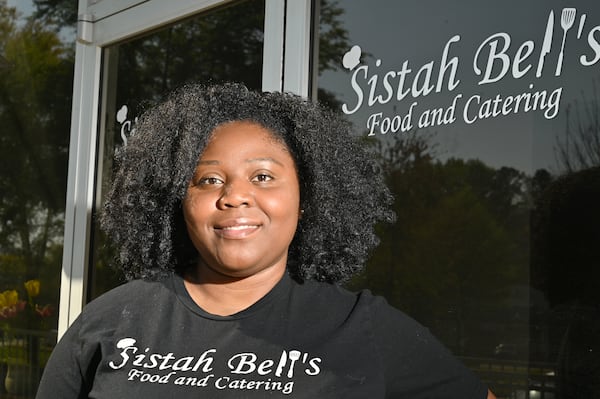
[36,84]
[224,44]
[484,116]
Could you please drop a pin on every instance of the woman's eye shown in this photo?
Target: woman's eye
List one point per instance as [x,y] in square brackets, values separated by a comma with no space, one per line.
[261,178]
[209,181]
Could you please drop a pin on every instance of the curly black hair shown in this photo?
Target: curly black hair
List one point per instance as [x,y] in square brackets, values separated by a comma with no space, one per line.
[343,194]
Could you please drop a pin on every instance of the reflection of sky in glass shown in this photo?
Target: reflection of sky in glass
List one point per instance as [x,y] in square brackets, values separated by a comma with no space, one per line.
[417,31]
[26,9]
[23,6]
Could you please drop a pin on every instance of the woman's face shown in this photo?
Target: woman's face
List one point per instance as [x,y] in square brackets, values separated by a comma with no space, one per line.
[243,202]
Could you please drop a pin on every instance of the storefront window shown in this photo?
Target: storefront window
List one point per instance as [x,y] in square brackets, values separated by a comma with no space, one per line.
[36,83]
[484,116]
[224,44]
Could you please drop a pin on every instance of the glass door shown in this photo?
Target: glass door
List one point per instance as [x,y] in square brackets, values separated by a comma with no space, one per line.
[128,55]
[221,44]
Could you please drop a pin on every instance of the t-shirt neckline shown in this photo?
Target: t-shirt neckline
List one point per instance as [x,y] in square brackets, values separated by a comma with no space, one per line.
[184,296]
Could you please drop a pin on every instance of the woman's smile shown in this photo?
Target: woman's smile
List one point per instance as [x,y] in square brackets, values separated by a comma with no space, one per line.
[236,229]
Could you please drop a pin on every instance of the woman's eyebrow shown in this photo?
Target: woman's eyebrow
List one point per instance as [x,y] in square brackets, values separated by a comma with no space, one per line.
[250,160]
[262,159]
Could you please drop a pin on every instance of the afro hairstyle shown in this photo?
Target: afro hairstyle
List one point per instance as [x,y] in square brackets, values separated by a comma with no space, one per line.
[343,194]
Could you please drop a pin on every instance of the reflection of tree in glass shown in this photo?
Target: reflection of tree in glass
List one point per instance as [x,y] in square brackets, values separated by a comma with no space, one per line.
[333,43]
[35,102]
[580,149]
[62,12]
[458,247]
[566,267]
[221,45]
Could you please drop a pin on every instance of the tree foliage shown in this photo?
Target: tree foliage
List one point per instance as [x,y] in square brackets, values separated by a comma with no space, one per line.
[222,45]
[61,12]
[580,148]
[35,102]
[460,241]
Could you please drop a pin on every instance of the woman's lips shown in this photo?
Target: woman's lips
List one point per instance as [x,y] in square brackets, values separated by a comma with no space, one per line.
[236,231]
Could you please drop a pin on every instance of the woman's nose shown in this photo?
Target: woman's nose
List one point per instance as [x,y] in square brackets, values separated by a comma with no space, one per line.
[235,195]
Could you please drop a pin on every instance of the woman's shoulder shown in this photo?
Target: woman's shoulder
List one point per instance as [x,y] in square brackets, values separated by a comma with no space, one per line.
[398,339]
[336,300]
[134,294]
[338,294]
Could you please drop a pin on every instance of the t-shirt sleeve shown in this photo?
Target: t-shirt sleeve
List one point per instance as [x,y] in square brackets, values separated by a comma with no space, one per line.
[416,365]
[70,368]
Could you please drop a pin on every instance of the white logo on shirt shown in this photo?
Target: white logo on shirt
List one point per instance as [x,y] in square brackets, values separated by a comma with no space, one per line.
[261,374]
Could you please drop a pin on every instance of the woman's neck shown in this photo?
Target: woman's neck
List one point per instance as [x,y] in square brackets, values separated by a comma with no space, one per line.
[224,295]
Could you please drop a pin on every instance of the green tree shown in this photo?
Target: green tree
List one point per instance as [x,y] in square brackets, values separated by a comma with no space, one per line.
[458,247]
[221,45]
[35,102]
[61,12]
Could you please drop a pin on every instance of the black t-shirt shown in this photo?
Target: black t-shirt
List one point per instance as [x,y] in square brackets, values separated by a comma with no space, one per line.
[312,340]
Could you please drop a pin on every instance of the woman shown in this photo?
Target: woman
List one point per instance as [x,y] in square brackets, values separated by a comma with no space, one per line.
[236,213]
